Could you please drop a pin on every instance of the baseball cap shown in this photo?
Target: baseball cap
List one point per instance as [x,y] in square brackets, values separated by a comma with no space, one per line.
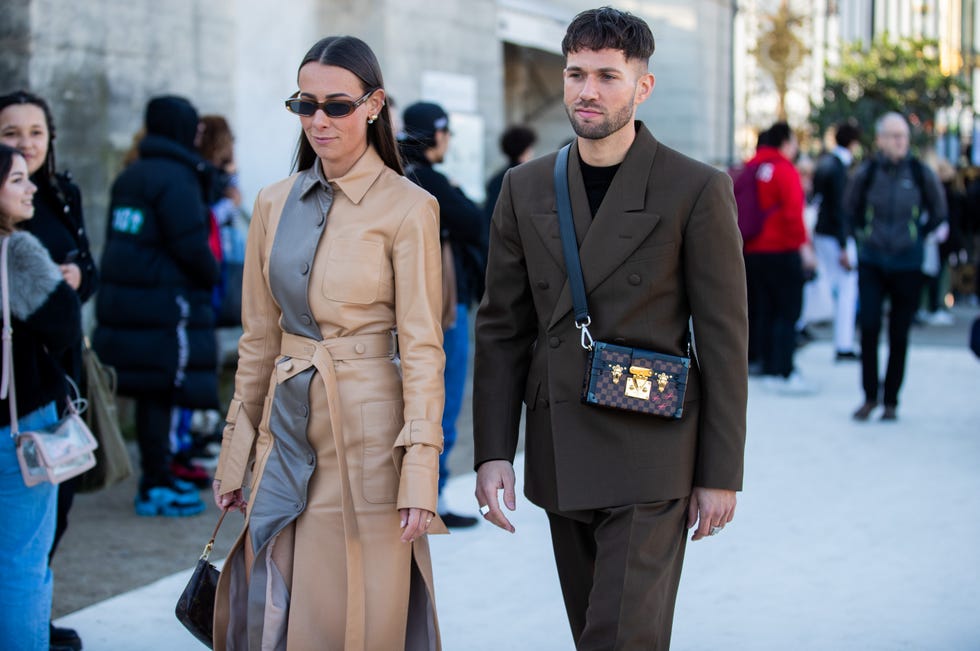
[422,120]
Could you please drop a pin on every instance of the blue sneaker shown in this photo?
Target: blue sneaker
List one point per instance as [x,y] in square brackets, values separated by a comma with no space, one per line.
[165,501]
[182,486]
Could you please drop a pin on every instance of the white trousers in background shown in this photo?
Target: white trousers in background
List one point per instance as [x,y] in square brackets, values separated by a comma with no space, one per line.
[842,285]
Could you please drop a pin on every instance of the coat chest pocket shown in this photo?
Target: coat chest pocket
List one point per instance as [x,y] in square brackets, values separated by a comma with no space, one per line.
[380,424]
[352,273]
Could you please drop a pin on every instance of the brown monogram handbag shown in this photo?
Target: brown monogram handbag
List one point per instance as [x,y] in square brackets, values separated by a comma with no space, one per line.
[633,379]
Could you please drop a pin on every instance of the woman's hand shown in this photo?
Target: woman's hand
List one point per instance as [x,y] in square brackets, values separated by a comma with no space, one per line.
[72,275]
[233,500]
[415,522]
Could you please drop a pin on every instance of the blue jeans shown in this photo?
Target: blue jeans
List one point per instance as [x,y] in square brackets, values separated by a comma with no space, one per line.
[26,534]
[456,343]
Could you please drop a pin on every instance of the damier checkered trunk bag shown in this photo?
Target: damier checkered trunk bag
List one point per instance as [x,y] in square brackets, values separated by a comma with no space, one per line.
[634,379]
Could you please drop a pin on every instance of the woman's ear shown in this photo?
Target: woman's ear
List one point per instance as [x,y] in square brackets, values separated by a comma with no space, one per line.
[376,102]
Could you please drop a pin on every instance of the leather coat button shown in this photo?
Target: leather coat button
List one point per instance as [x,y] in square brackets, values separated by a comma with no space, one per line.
[306,319]
[554,342]
[633,279]
[287,366]
[543,284]
[359,349]
[305,269]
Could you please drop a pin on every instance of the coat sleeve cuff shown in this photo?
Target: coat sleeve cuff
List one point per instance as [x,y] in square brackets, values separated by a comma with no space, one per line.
[416,454]
[237,443]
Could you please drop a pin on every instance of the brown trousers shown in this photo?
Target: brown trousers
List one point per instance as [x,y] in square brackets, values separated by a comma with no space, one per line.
[619,574]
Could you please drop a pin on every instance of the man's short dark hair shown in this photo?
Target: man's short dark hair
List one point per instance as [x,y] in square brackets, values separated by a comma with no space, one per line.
[847,132]
[609,29]
[778,134]
[515,141]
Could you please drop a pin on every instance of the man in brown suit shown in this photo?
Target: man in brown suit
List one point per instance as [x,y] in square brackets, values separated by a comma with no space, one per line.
[659,247]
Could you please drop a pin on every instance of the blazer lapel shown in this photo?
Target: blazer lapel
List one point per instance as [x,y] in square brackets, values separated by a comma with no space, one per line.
[621,224]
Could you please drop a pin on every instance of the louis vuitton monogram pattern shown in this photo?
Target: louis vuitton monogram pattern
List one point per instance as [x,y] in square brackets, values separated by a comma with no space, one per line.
[633,379]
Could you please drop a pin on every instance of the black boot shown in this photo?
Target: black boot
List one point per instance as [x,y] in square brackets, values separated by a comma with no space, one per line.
[63,639]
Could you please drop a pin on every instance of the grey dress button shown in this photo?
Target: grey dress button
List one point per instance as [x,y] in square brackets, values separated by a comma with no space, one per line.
[306,319]
[633,279]
[310,459]
[321,220]
[304,411]
[305,269]
[554,342]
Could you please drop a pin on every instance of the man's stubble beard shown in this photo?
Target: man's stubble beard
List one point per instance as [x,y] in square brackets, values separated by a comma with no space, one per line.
[606,127]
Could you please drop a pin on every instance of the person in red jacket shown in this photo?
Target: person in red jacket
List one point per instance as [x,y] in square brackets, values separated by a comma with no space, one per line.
[773,265]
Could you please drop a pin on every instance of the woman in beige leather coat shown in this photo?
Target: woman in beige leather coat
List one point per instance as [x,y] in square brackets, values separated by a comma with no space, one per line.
[333,437]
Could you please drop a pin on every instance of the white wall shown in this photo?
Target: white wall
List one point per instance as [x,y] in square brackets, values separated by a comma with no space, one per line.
[270,41]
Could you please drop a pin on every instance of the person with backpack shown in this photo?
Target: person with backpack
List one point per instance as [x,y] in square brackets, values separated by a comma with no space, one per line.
[891,204]
[773,264]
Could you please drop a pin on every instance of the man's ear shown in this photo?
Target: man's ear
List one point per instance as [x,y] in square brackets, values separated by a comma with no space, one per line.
[644,86]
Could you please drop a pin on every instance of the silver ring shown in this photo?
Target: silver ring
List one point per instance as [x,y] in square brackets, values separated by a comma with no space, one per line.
[484,509]
[714,530]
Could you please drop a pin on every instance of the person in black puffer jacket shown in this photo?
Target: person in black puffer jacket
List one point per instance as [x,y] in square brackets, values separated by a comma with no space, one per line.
[155,319]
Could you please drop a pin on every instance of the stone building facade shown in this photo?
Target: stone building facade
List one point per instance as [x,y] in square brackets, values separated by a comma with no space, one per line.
[490,62]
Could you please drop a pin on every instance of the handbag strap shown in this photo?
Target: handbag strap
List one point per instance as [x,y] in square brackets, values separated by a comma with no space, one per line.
[214,534]
[569,247]
[8,388]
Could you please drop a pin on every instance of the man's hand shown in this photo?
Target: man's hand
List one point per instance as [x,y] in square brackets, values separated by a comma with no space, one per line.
[708,508]
[492,476]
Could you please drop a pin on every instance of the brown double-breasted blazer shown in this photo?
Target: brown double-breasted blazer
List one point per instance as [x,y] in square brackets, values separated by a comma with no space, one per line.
[663,249]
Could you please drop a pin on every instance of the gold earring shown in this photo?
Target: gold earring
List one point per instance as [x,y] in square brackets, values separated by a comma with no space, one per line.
[372,118]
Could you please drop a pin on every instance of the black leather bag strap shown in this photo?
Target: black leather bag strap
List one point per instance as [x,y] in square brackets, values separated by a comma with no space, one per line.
[569,246]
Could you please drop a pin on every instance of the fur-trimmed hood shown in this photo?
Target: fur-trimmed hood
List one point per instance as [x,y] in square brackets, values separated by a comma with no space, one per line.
[33,275]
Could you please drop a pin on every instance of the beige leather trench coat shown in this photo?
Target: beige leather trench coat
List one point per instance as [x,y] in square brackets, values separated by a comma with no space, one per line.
[329,430]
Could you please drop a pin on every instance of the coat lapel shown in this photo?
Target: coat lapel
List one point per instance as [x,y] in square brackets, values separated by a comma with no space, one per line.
[622,223]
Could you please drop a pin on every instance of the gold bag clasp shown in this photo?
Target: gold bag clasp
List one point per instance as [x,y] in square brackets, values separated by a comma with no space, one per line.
[638,384]
[617,372]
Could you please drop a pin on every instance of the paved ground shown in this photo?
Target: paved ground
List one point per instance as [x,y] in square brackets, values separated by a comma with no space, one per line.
[848,536]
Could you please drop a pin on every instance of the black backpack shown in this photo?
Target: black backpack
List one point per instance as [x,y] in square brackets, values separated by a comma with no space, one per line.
[902,237]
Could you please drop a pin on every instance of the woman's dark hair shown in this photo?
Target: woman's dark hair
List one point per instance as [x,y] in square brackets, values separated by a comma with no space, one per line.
[24,97]
[355,56]
[609,29]
[515,141]
[7,154]
[217,141]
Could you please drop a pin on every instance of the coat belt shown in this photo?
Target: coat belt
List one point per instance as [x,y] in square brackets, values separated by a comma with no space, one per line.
[306,352]
[300,353]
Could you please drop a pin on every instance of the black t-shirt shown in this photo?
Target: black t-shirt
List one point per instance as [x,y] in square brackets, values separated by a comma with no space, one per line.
[597,181]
